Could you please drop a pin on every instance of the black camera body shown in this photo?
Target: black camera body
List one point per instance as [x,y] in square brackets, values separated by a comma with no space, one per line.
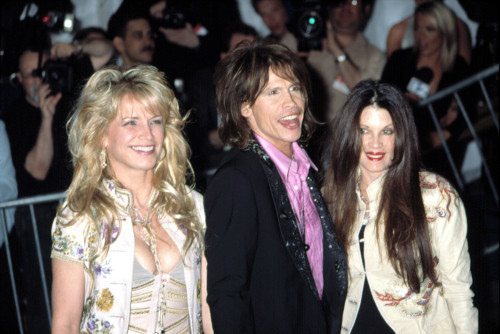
[58,73]
[56,21]
[311,25]
[173,18]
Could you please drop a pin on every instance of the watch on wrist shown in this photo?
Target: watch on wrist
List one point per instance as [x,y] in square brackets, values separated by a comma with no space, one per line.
[78,48]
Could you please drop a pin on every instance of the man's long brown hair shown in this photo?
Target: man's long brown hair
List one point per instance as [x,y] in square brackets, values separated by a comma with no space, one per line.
[243,74]
[401,211]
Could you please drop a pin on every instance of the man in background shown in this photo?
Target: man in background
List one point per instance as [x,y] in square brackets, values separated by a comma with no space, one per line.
[132,37]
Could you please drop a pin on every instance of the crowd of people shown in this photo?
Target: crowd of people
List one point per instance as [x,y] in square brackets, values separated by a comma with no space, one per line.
[222,181]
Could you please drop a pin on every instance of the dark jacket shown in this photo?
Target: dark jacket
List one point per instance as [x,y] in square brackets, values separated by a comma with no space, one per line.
[402,66]
[259,278]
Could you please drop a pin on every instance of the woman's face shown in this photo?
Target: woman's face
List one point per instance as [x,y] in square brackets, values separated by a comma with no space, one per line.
[377,142]
[134,139]
[274,15]
[427,38]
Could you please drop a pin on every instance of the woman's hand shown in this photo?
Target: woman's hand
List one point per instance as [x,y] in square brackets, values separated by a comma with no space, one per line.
[451,115]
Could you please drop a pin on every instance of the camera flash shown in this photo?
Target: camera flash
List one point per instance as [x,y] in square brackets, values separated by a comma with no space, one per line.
[68,22]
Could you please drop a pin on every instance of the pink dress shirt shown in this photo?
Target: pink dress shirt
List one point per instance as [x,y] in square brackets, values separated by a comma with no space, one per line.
[294,173]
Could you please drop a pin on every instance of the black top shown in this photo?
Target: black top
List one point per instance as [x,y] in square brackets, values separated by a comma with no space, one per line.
[369,319]
[402,66]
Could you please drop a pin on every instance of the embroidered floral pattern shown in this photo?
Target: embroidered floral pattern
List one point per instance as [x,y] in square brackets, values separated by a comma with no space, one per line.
[198,315]
[102,269]
[96,325]
[105,300]
[448,196]
[67,245]
[410,303]
[114,232]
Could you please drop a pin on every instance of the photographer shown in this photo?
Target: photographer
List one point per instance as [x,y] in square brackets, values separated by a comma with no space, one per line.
[90,49]
[31,127]
[275,16]
[35,128]
[344,57]
[186,34]
[347,56]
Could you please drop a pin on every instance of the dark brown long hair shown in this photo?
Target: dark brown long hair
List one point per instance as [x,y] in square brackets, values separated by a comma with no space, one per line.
[242,75]
[401,210]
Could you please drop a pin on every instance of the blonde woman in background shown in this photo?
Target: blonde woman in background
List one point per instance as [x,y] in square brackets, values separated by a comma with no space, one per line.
[435,60]
[127,243]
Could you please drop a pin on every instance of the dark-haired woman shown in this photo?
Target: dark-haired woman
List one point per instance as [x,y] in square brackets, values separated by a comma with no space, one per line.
[404,229]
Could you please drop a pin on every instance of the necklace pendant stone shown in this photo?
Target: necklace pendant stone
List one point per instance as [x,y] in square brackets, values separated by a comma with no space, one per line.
[306,247]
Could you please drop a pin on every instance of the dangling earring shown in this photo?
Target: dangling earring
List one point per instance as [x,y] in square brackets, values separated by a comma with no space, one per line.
[102,158]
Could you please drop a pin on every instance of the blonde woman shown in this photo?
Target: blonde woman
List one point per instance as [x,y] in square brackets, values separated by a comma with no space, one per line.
[127,243]
[434,59]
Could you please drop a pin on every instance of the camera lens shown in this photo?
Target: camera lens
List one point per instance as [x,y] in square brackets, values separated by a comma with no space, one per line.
[310,24]
[55,76]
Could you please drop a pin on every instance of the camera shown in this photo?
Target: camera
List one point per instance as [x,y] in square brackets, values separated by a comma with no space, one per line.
[311,25]
[58,74]
[173,18]
[57,21]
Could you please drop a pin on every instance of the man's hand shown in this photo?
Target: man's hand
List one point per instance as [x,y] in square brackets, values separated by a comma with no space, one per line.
[184,37]
[330,43]
[39,158]
[48,102]
[62,50]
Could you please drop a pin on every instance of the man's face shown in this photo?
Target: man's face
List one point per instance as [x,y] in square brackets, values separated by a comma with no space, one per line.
[274,16]
[348,18]
[277,113]
[138,45]
[28,62]
[93,37]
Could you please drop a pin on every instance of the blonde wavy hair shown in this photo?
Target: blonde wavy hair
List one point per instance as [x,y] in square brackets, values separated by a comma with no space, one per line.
[444,20]
[97,106]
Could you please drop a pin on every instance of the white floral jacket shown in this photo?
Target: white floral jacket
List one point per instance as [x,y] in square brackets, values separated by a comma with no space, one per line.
[445,309]
[108,283]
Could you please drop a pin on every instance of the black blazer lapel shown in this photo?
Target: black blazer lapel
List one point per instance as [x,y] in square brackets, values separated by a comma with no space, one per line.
[334,256]
[286,218]
[334,263]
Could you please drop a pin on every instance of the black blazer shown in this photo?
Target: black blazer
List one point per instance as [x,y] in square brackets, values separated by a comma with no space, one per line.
[258,275]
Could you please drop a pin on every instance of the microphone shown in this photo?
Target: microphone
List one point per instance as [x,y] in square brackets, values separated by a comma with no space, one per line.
[419,84]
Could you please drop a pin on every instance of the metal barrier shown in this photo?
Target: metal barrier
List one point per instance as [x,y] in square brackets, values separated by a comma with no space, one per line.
[453,90]
[30,202]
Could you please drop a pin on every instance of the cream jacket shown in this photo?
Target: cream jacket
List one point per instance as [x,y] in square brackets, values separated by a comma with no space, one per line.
[108,283]
[444,309]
